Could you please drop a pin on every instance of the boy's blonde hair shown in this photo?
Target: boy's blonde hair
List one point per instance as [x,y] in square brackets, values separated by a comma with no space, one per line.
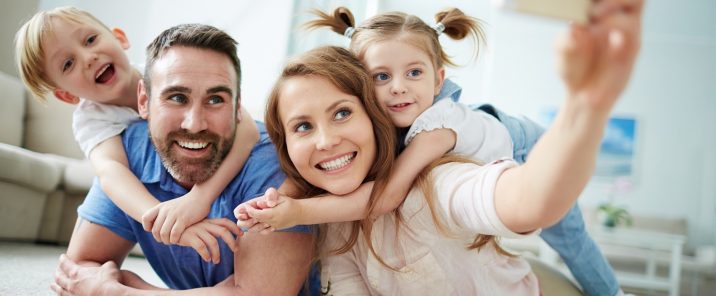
[29,47]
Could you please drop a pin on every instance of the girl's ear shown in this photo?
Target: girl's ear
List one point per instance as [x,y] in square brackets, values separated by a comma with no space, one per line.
[121,37]
[66,97]
[142,100]
[439,79]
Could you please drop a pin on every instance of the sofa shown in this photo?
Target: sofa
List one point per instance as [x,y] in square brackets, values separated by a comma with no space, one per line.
[43,174]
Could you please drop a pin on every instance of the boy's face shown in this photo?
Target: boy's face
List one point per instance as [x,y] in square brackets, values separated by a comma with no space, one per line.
[405,80]
[88,61]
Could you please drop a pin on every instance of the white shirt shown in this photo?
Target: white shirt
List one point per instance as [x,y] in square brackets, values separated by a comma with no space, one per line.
[93,123]
[480,136]
[429,261]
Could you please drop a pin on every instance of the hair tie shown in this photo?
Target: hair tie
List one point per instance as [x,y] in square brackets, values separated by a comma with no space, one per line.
[439,28]
[349,32]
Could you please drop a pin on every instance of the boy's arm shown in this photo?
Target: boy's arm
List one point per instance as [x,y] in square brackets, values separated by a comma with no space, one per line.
[168,220]
[111,166]
[426,147]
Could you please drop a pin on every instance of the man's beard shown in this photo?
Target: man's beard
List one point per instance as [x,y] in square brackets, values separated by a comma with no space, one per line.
[192,170]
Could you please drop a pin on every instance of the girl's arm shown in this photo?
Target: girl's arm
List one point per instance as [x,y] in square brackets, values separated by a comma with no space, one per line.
[282,212]
[168,220]
[596,62]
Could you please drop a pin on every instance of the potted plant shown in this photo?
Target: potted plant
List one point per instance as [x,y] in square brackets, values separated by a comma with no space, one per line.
[610,214]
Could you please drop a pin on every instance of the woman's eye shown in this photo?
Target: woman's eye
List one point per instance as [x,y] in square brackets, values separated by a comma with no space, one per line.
[91,39]
[343,113]
[415,72]
[381,77]
[67,65]
[302,127]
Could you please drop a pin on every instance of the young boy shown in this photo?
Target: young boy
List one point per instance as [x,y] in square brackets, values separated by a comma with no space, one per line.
[70,53]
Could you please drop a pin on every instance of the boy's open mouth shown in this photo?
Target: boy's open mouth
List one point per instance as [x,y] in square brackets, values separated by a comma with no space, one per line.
[104,74]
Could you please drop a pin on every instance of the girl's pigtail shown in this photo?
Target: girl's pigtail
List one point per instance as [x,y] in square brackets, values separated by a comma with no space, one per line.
[341,20]
[458,25]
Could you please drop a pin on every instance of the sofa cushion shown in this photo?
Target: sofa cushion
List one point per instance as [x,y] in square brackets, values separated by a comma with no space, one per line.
[12,109]
[29,169]
[48,128]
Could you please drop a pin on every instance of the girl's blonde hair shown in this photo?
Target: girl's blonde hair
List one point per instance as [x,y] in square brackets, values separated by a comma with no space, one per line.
[29,48]
[404,27]
[414,31]
[342,69]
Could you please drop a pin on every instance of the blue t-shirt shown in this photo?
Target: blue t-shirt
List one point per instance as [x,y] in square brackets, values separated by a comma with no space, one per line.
[182,267]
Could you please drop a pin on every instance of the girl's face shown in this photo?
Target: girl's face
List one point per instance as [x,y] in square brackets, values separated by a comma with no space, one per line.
[329,136]
[405,80]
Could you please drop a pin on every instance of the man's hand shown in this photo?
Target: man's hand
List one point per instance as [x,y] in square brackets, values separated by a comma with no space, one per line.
[92,279]
[168,220]
[202,237]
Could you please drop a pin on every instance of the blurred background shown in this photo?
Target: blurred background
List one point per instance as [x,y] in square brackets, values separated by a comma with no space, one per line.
[664,129]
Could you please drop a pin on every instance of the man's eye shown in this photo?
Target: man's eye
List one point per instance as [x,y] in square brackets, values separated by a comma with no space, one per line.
[178,98]
[343,113]
[381,77]
[216,100]
[91,39]
[67,65]
[302,127]
[415,72]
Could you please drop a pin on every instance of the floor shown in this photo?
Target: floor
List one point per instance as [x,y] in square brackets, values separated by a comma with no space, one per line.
[27,269]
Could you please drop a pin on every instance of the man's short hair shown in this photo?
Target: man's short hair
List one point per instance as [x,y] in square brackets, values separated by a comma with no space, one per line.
[197,36]
[29,47]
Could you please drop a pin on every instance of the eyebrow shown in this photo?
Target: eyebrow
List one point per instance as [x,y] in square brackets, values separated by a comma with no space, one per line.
[329,108]
[174,89]
[219,89]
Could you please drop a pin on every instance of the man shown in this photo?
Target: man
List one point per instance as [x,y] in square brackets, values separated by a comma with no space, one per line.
[190,93]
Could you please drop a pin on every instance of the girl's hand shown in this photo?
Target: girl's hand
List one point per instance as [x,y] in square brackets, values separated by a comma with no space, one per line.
[269,212]
[168,220]
[596,59]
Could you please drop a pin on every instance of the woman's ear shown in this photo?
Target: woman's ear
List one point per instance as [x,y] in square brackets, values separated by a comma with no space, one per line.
[66,96]
[439,79]
[121,37]
[142,100]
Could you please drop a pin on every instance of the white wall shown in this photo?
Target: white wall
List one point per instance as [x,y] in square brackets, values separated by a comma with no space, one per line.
[671,93]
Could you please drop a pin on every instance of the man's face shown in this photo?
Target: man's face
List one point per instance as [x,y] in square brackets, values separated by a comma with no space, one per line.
[191,114]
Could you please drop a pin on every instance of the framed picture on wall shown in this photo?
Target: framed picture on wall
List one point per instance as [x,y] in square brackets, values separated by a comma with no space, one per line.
[616,154]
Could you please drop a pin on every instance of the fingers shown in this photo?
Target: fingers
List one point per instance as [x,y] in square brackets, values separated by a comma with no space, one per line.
[176,232]
[271,197]
[157,227]
[149,217]
[210,242]
[191,239]
[261,215]
[166,228]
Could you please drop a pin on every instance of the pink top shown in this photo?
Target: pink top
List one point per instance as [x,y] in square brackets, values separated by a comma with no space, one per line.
[431,262]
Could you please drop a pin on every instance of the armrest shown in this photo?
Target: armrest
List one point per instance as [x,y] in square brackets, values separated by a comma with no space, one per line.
[28,168]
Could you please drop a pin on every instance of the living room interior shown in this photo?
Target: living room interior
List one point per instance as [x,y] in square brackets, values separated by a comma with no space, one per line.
[651,204]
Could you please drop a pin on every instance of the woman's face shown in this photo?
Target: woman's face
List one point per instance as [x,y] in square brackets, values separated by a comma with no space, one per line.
[329,136]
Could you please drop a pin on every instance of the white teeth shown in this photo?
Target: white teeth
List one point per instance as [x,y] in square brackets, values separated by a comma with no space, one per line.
[336,163]
[99,73]
[192,145]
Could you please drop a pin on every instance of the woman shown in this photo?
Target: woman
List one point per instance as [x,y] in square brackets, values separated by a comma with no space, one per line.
[332,136]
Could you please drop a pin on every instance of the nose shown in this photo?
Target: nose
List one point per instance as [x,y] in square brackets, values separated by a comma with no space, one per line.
[397,87]
[90,59]
[327,139]
[194,120]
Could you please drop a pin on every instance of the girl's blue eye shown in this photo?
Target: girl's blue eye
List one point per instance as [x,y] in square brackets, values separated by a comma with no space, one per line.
[342,114]
[302,127]
[415,72]
[381,77]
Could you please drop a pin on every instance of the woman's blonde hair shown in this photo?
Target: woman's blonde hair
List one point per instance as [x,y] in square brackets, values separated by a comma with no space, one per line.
[345,72]
[29,48]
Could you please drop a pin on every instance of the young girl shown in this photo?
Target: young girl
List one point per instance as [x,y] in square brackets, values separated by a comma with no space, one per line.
[70,53]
